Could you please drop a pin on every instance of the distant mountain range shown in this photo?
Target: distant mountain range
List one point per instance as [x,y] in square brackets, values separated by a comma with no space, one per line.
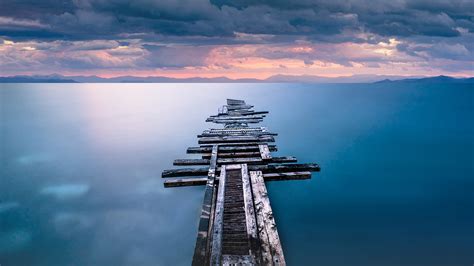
[55,78]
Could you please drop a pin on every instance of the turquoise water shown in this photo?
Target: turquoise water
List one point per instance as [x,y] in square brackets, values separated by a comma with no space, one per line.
[80,172]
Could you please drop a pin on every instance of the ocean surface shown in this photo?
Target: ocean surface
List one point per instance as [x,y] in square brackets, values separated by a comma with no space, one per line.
[80,172]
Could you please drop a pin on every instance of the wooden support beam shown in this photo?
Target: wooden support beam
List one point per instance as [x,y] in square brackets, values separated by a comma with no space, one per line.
[234,160]
[199,181]
[235,139]
[233,154]
[250,213]
[235,102]
[191,162]
[282,168]
[256,160]
[239,121]
[272,252]
[234,117]
[238,134]
[207,213]
[227,149]
[216,245]
[183,182]
[239,107]
[264,152]
[287,176]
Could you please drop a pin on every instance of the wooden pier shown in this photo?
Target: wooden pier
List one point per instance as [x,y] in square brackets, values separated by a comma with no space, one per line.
[237,226]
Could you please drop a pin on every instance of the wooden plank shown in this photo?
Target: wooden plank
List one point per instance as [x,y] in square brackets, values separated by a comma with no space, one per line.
[235,148]
[285,168]
[264,168]
[234,117]
[216,245]
[235,139]
[250,213]
[239,107]
[272,252]
[235,102]
[240,112]
[191,162]
[233,154]
[181,182]
[240,121]
[256,160]
[205,222]
[264,152]
[238,260]
[197,181]
[287,176]
[243,134]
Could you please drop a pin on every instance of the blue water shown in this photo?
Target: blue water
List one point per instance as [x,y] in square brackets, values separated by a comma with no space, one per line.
[80,172]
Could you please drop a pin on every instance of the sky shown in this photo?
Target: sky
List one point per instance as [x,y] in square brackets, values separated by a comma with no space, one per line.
[236,39]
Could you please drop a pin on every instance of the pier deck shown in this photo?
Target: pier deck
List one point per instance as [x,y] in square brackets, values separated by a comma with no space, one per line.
[237,226]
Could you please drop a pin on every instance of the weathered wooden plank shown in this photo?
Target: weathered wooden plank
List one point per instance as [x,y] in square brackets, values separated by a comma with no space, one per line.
[287,176]
[234,117]
[181,182]
[264,152]
[234,160]
[240,112]
[235,139]
[264,168]
[250,213]
[238,260]
[272,252]
[191,162]
[205,222]
[233,154]
[197,181]
[285,168]
[239,107]
[256,160]
[226,149]
[243,134]
[239,121]
[235,102]
[218,224]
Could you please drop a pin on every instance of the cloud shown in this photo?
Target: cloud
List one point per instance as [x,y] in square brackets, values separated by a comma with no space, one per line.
[191,35]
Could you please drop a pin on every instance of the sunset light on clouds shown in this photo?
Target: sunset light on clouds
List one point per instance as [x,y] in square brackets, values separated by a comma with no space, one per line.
[236,39]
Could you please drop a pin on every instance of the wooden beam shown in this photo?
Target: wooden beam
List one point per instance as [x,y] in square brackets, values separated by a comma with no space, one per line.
[250,213]
[239,107]
[191,162]
[281,168]
[256,160]
[216,245]
[205,222]
[199,181]
[287,176]
[235,148]
[234,160]
[264,152]
[234,117]
[240,121]
[272,252]
[235,139]
[233,154]
[182,182]
[235,102]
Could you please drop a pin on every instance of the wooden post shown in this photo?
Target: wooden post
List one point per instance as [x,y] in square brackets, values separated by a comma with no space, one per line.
[272,252]
[205,222]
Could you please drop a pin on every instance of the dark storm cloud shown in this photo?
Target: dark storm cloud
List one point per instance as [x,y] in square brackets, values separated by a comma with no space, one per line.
[93,19]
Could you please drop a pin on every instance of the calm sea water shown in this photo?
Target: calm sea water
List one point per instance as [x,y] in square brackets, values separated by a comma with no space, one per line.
[80,172]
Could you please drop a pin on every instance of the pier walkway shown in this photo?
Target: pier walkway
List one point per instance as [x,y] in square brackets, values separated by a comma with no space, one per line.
[237,226]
